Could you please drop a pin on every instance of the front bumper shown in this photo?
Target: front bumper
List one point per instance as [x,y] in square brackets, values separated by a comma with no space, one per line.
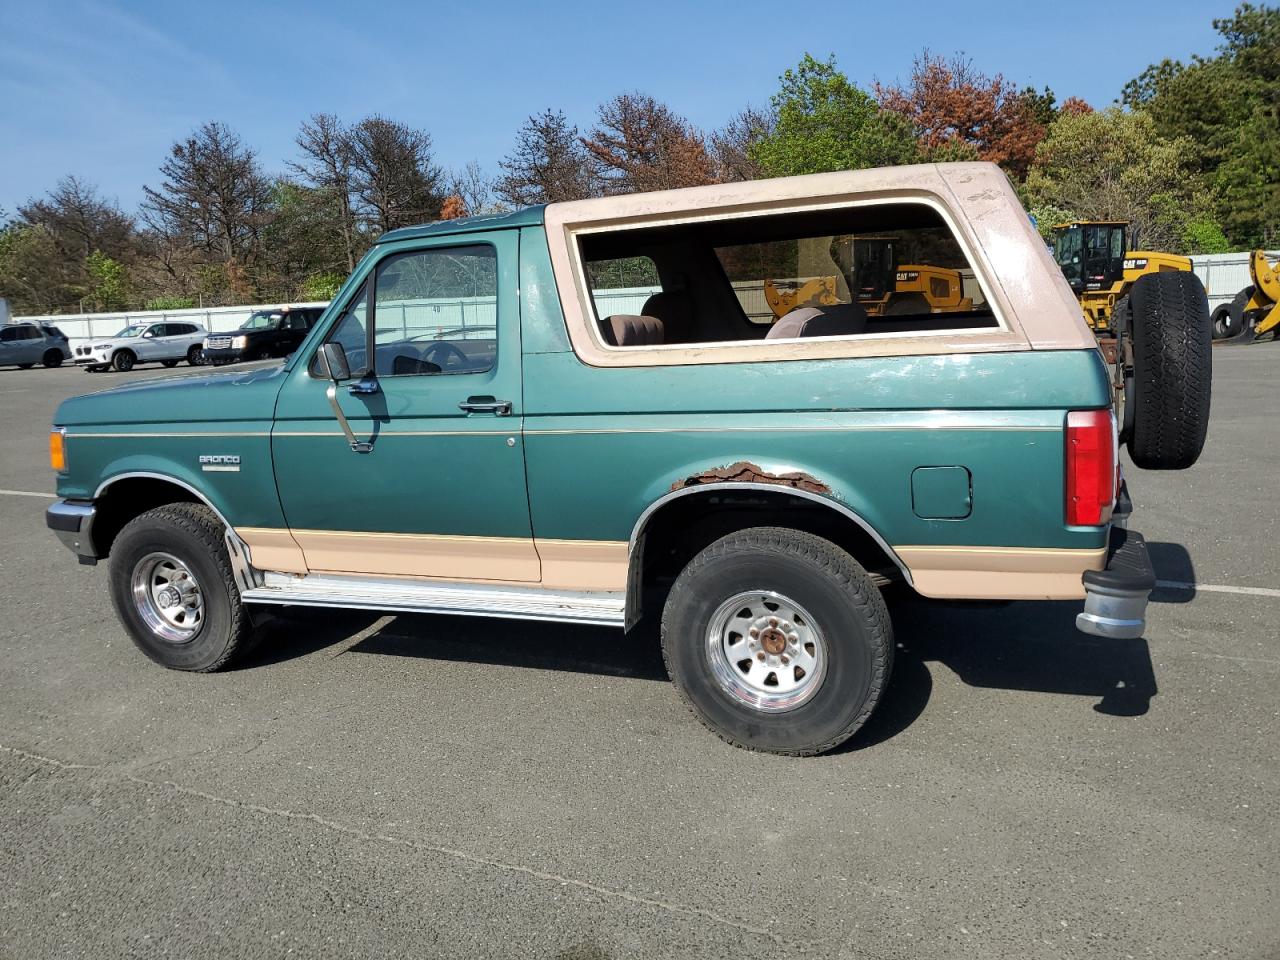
[96,359]
[72,521]
[1115,597]
[220,355]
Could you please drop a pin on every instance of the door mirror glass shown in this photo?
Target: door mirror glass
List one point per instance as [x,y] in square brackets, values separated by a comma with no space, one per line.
[332,362]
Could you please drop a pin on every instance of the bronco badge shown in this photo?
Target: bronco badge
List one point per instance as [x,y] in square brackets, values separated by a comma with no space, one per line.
[220,462]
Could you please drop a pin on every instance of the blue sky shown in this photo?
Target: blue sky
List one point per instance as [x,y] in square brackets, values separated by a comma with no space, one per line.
[101,89]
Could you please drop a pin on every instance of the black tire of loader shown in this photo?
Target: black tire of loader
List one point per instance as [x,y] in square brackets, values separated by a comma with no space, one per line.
[1173,370]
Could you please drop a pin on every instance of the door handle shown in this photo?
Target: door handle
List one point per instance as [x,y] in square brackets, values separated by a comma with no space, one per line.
[501,408]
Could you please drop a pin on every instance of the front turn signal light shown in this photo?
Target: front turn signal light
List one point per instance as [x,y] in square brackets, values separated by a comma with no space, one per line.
[57,451]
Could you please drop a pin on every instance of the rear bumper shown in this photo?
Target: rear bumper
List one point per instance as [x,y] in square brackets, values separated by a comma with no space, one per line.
[1115,597]
[72,521]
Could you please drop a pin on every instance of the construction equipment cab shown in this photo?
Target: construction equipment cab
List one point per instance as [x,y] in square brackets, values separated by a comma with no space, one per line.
[1100,264]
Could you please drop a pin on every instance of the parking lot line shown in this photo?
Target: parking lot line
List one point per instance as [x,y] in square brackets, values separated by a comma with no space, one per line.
[27,493]
[1218,588]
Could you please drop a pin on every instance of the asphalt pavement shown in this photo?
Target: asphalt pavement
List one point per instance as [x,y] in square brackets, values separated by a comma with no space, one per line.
[419,786]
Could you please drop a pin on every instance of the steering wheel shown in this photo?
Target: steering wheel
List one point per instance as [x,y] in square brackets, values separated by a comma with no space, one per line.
[449,355]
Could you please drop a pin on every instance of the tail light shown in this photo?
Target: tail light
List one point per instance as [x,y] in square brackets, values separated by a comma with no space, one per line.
[1091,467]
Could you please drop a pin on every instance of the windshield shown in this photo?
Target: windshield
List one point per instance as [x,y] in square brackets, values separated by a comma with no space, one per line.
[133,330]
[1066,249]
[263,320]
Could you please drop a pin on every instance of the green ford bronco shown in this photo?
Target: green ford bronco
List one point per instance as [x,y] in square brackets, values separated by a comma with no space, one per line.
[588,412]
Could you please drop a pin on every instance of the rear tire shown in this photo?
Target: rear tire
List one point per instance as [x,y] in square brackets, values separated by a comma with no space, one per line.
[211,627]
[123,360]
[52,358]
[811,604]
[1173,370]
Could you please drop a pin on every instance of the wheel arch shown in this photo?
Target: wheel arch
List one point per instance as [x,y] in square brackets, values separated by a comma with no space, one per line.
[124,496]
[680,523]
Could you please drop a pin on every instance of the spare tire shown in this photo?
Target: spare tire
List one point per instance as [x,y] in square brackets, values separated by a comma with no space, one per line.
[1172,370]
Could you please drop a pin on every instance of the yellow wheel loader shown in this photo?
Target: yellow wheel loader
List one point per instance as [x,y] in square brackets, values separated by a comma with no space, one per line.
[1256,307]
[876,281]
[1094,258]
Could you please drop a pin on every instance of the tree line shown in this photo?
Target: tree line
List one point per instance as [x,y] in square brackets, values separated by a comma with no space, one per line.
[1190,153]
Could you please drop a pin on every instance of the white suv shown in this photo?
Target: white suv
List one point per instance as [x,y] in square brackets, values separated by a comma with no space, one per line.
[166,343]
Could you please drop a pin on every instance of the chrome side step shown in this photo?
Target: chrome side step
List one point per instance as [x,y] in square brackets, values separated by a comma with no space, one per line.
[425,596]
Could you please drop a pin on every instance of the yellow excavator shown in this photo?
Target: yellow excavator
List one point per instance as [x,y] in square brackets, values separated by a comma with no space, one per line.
[1257,306]
[1094,257]
[877,282]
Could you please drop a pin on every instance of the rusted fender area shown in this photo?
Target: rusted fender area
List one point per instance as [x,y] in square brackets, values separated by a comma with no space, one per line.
[744,471]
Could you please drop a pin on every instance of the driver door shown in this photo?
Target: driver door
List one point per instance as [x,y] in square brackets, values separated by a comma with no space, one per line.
[432,337]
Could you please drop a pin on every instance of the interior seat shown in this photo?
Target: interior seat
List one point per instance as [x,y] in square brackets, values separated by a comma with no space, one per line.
[675,309]
[836,320]
[632,330]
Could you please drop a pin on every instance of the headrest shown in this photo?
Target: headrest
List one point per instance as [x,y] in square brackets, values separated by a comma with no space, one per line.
[836,320]
[675,310]
[630,330]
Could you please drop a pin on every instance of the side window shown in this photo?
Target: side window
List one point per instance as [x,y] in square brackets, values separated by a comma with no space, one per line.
[437,312]
[9,334]
[890,269]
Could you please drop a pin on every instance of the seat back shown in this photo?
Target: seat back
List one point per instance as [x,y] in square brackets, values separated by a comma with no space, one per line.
[836,320]
[675,309]
[631,330]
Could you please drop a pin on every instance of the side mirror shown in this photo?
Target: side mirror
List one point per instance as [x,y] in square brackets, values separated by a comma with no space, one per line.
[332,362]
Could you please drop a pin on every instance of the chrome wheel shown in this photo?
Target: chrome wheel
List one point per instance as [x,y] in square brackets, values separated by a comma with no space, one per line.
[766,651]
[167,597]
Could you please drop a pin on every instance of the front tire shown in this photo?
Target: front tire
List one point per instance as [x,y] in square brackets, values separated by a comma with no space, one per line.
[123,360]
[195,357]
[778,641]
[173,589]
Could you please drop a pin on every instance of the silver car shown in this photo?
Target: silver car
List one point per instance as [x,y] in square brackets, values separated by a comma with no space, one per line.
[167,342]
[26,344]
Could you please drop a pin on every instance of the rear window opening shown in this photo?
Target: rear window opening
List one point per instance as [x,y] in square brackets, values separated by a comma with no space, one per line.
[889,269]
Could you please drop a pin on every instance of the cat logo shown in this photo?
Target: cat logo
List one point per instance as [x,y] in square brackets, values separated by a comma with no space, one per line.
[1135,263]
[908,276]
[220,462]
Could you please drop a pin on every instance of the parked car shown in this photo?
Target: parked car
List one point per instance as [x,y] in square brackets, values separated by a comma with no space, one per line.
[265,335]
[167,343]
[568,413]
[25,344]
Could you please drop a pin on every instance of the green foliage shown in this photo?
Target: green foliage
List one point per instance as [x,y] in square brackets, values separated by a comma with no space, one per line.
[1225,108]
[170,303]
[34,278]
[824,123]
[1202,234]
[1047,214]
[322,286]
[110,283]
[1113,165]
